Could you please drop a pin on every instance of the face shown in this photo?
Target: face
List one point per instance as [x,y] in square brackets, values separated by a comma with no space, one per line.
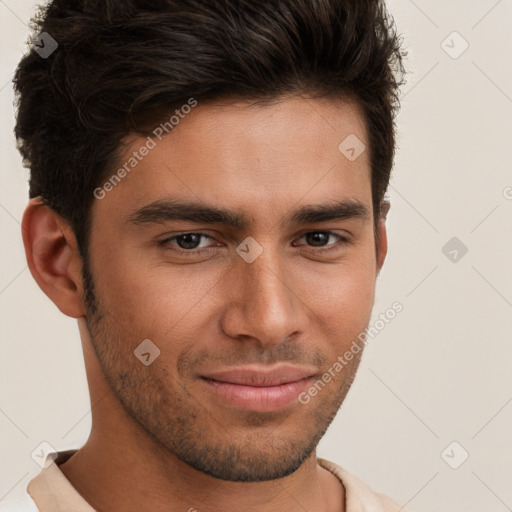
[246,306]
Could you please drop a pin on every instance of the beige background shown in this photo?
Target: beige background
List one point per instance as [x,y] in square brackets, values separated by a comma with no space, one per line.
[439,372]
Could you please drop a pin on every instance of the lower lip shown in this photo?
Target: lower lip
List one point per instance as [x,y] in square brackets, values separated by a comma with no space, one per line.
[259,399]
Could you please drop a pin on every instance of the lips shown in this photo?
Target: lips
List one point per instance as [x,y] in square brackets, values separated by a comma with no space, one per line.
[259,389]
[261,377]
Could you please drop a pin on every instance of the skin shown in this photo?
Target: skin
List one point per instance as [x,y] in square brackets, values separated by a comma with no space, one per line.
[160,440]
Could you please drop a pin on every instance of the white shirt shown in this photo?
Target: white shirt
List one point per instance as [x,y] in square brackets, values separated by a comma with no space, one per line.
[51,491]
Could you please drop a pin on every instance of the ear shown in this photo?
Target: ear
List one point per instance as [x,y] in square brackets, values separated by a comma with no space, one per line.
[382,236]
[53,257]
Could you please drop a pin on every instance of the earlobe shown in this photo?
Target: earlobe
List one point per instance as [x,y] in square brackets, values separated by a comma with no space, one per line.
[53,257]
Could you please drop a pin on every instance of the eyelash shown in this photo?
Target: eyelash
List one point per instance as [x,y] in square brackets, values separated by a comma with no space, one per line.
[343,241]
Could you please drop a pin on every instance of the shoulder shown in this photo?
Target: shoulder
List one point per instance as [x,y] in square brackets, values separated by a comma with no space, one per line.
[359,496]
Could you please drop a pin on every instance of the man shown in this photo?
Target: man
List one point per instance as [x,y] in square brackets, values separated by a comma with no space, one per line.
[207,200]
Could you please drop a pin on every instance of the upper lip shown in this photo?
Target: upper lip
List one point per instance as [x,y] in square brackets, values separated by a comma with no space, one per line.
[261,376]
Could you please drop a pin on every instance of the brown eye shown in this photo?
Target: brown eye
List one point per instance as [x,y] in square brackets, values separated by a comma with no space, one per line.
[321,239]
[185,242]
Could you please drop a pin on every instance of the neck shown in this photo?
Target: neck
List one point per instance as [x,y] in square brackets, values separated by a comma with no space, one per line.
[111,478]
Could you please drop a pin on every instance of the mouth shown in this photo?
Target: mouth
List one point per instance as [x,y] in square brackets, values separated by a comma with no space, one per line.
[259,389]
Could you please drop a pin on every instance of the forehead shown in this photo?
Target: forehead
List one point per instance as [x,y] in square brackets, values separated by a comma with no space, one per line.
[252,156]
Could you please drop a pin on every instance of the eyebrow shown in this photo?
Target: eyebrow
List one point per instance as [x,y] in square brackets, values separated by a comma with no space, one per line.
[164,210]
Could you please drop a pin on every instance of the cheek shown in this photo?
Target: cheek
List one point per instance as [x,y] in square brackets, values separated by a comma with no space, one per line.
[159,302]
[341,299]
[347,302]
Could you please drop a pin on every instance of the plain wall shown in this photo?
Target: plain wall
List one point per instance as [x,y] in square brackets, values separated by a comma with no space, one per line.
[437,373]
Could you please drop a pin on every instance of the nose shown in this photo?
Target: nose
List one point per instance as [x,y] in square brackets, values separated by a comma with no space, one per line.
[261,303]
